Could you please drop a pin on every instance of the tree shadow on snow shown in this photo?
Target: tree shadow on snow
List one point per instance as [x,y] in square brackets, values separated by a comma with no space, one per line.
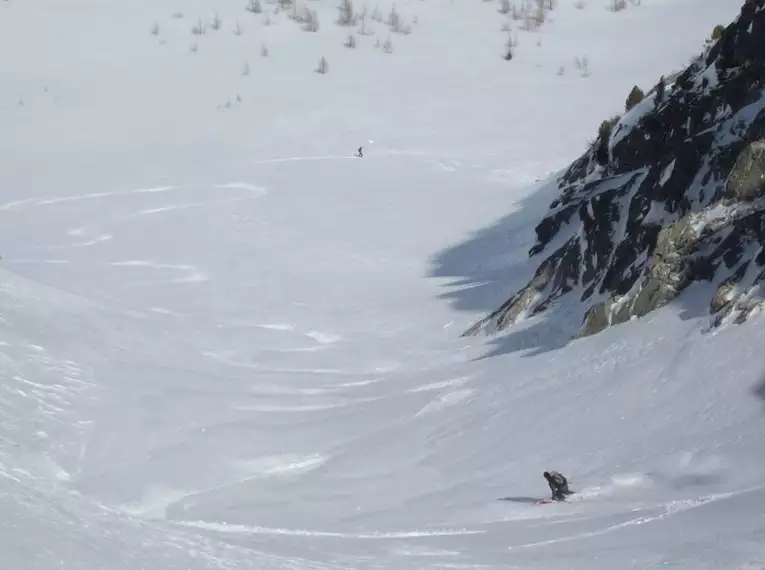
[759,390]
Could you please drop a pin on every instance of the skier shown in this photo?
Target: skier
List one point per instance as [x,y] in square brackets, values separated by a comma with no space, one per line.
[360,154]
[558,485]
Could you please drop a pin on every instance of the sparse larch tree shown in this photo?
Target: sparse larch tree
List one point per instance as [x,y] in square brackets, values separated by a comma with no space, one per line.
[350,42]
[394,20]
[199,28]
[311,21]
[635,96]
[583,65]
[323,67]
[508,50]
[504,6]
[363,31]
[515,13]
[586,67]
[660,90]
[540,14]
[255,7]
[295,15]
[346,15]
[602,153]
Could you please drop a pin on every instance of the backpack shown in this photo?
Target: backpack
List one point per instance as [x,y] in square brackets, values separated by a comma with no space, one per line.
[558,479]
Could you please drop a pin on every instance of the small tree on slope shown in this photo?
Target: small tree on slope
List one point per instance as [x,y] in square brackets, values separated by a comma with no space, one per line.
[346,13]
[635,97]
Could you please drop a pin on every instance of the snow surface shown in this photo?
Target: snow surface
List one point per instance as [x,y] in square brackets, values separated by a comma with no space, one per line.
[227,343]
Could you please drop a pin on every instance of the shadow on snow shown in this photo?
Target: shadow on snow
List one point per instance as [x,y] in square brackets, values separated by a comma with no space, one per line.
[493,264]
[533,500]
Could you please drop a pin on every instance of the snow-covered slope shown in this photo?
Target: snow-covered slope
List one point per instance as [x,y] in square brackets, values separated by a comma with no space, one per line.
[667,195]
[227,343]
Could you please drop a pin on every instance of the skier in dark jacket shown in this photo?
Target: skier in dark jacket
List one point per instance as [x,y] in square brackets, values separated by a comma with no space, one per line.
[558,485]
[360,154]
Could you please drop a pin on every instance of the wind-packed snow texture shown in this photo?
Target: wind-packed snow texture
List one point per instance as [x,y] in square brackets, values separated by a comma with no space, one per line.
[227,343]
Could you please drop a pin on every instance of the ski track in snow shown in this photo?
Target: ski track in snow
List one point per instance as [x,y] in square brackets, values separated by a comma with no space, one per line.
[243,529]
[192,274]
[449,165]
[171,208]
[95,241]
[261,368]
[51,261]
[446,400]
[157,500]
[302,159]
[278,327]
[424,552]
[280,465]
[81,197]
[252,189]
[668,510]
[323,337]
[439,385]
[297,408]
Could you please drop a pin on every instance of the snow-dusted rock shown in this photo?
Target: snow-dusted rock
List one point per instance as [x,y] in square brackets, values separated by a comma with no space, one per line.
[669,194]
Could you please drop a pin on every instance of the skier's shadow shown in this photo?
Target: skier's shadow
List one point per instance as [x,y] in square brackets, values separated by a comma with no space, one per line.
[520,499]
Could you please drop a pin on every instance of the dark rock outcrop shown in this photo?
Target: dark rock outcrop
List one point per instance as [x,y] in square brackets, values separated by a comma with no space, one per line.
[670,194]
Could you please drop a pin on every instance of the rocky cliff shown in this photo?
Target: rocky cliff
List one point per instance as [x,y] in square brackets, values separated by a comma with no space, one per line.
[670,194]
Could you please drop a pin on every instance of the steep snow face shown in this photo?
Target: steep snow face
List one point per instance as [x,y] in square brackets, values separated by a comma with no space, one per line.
[218,346]
[668,195]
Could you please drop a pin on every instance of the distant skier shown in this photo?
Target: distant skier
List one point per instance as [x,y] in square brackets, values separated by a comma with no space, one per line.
[558,485]
[360,154]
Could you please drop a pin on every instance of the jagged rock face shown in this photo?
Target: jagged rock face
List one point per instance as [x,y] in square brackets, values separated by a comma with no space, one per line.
[746,180]
[670,194]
